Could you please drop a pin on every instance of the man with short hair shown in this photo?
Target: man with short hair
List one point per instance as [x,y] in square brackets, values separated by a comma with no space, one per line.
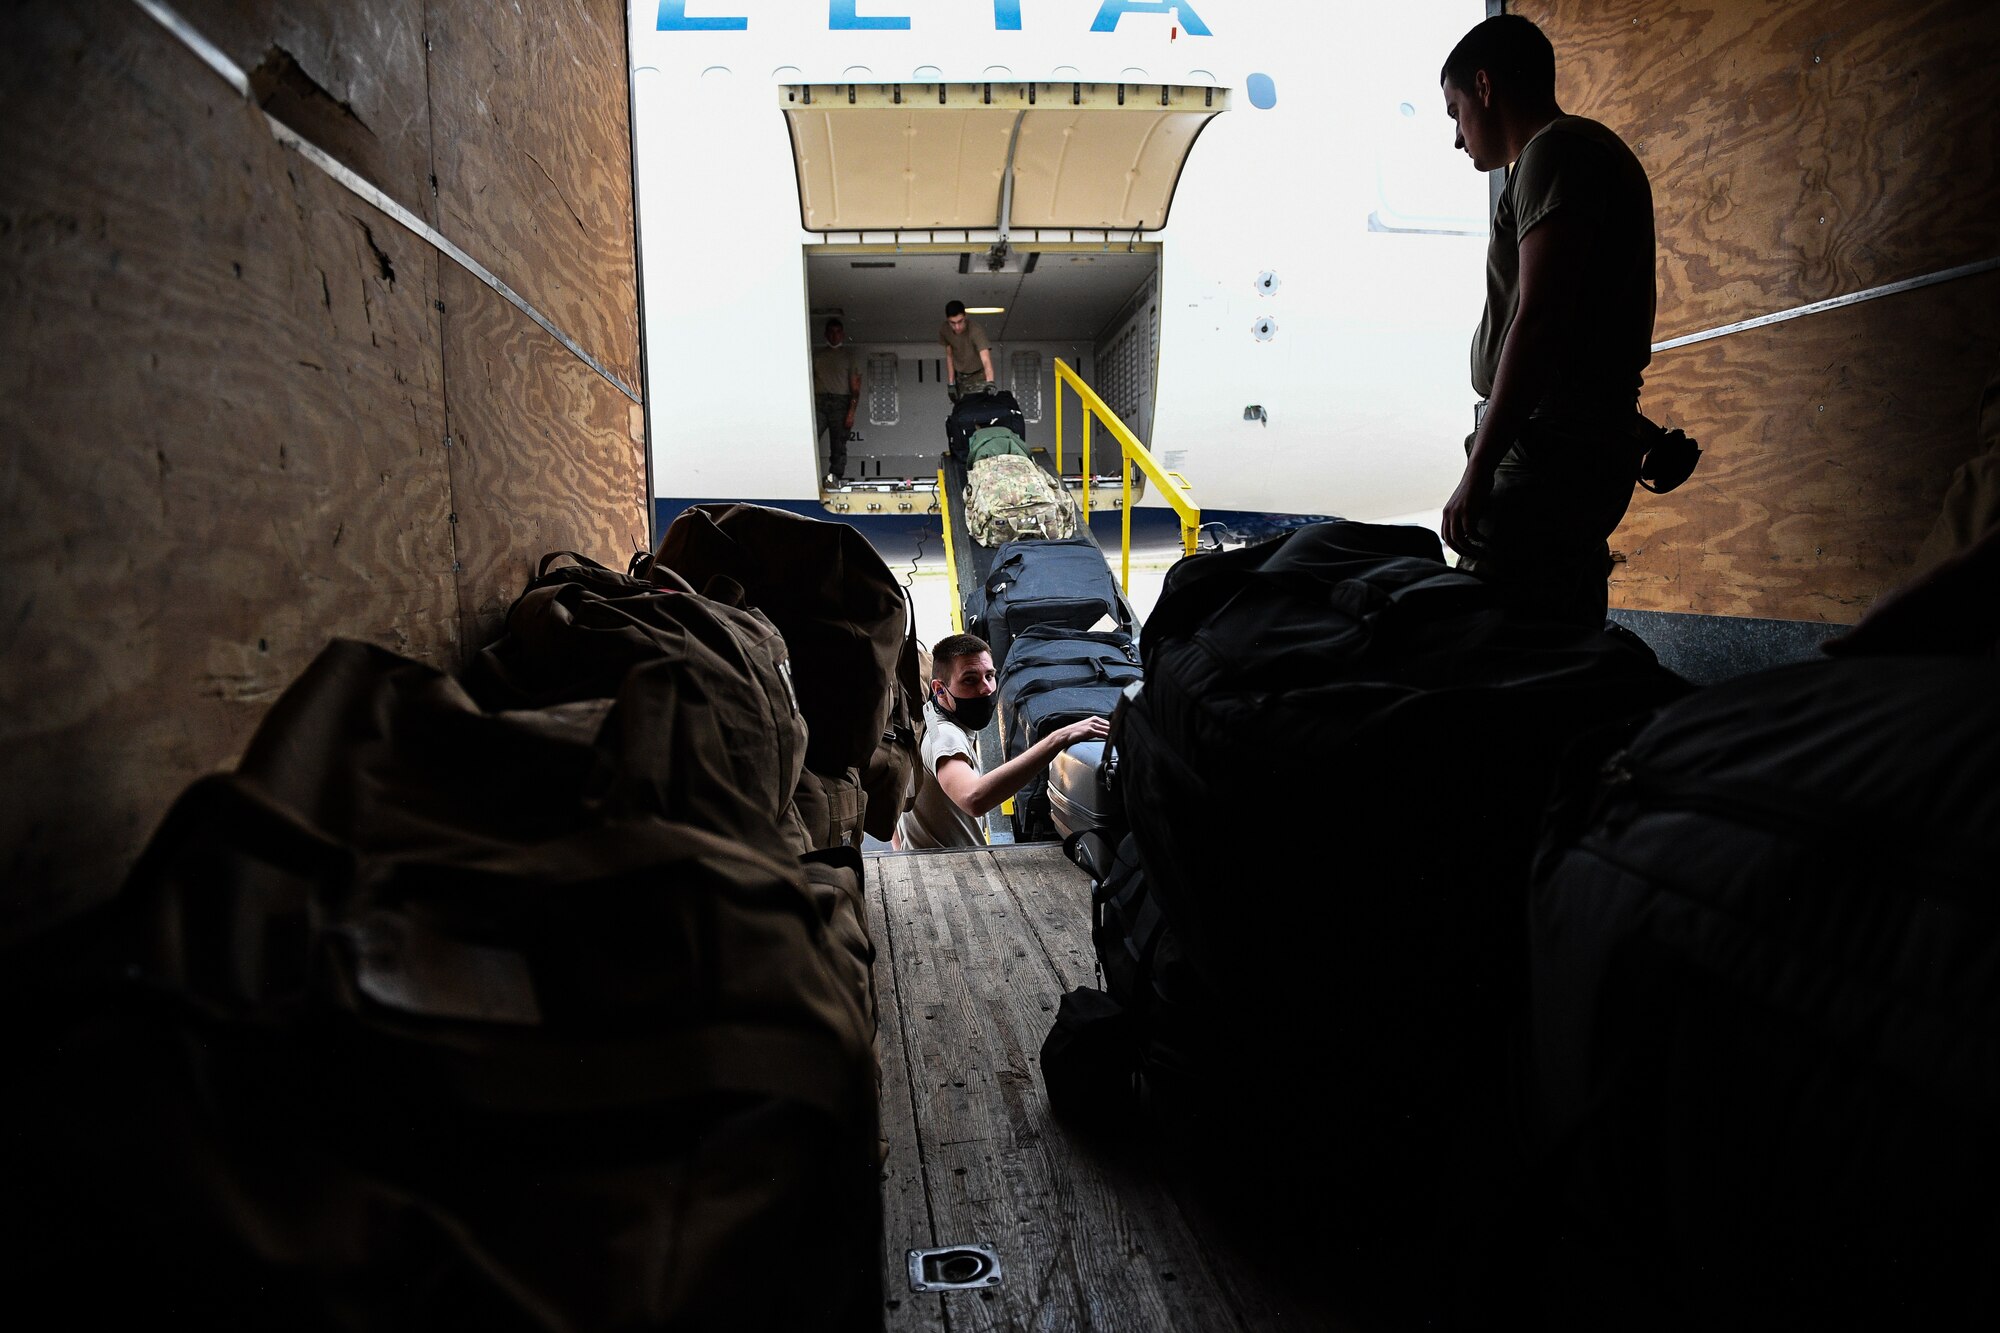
[836,392]
[952,793]
[1566,332]
[966,349]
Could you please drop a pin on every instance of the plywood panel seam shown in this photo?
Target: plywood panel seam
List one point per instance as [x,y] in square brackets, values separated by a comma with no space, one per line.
[227,421]
[466,646]
[463,619]
[907,1042]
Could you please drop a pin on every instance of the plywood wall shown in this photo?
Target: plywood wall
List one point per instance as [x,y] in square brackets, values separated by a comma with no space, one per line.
[244,412]
[1801,150]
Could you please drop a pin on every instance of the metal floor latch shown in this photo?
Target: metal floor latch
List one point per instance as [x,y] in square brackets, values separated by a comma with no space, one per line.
[954,1268]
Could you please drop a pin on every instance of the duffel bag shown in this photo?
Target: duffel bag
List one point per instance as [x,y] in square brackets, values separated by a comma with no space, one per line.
[432,1016]
[1065,584]
[842,612]
[1054,677]
[975,411]
[579,631]
[1009,498]
[847,622]
[994,442]
[1155,1034]
[1335,774]
[1766,970]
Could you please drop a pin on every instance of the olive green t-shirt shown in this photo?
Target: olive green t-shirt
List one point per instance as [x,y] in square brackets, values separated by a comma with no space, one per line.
[965,347]
[1585,170]
[833,368]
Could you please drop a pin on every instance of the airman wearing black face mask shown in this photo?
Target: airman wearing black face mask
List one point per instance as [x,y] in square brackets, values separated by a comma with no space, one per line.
[953,793]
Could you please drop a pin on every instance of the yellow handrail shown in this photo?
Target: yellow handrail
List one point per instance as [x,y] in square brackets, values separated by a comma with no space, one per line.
[958,610]
[1171,484]
[950,557]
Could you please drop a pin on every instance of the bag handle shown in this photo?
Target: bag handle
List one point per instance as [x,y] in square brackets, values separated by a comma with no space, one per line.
[1107,769]
[643,568]
[542,569]
[646,567]
[1000,574]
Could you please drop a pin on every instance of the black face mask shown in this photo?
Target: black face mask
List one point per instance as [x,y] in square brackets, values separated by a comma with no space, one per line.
[972,714]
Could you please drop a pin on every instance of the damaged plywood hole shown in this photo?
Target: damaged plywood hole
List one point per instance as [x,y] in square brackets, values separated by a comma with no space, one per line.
[283,89]
[328,132]
[293,98]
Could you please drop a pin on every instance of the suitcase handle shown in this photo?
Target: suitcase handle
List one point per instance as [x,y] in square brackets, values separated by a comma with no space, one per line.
[1107,768]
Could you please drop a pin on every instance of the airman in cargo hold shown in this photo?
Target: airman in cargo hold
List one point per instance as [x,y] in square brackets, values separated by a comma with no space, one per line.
[966,346]
[1567,330]
[836,393]
[953,793]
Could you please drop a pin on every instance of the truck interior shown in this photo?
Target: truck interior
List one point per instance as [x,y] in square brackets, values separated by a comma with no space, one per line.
[325,331]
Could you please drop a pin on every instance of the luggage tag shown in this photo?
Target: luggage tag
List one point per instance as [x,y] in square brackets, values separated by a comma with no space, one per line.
[399,964]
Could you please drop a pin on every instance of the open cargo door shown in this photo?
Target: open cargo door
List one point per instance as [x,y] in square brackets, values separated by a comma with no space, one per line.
[896,157]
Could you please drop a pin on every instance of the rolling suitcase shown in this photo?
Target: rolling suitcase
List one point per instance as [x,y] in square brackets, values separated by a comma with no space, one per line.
[1061,583]
[1078,802]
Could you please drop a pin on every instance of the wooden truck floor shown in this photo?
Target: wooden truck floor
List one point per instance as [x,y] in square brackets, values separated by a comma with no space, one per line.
[974,949]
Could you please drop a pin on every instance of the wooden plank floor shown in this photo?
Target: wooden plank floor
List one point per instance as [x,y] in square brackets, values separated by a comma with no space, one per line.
[974,949]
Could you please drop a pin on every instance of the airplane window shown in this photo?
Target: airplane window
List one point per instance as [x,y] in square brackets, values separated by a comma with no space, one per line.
[884,403]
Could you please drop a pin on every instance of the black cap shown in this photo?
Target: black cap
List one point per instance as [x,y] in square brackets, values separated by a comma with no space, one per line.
[953,308]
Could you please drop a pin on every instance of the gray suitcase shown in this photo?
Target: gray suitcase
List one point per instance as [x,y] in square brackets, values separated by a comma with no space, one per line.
[1077,800]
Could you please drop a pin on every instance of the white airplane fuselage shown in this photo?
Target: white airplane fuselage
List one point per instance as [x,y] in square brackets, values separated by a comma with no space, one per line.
[1291,338]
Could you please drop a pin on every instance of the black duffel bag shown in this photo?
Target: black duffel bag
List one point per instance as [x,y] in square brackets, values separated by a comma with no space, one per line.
[1766,969]
[974,412]
[1054,677]
[1063,584]
[1335,775]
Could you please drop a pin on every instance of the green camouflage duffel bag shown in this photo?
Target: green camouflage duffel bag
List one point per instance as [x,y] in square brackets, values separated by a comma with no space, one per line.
[1010,497]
